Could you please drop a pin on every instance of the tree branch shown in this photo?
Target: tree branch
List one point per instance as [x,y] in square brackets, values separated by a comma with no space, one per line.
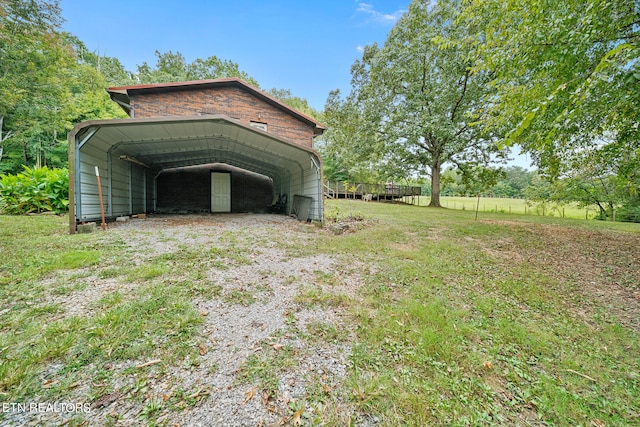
[464,91]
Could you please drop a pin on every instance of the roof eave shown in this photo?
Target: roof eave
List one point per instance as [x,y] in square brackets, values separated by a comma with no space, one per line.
[121,97]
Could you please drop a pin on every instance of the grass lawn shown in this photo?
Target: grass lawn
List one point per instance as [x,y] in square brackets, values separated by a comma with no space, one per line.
[507,320]
[513,206]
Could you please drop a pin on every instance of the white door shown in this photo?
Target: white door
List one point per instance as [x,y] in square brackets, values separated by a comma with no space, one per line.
[220,192]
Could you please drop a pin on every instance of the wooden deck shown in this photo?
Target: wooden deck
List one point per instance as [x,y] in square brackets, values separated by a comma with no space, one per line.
[359,190]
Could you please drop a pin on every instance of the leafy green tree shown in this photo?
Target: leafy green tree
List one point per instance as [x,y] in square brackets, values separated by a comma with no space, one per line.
[565,75]
[173,67]
[47,85]
[339,145]
[33,94]
[414,100]
[111,69]
[295,102]
[612,187]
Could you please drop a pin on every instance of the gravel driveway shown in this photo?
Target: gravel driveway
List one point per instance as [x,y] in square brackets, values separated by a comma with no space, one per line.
[261,313]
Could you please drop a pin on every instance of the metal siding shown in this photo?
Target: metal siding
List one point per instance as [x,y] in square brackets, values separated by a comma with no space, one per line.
[119,182]
[311,182]
[137,189]
[90,158]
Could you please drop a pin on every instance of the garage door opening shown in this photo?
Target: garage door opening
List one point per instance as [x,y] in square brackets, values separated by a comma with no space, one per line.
[216,187]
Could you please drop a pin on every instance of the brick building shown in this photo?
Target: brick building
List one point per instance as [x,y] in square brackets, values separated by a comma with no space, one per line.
[212,145]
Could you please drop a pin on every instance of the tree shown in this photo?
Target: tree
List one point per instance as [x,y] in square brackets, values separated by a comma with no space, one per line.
[295,102]
[173,67]
[110,68]
[48,83]
[33,61]
[565,76]
[415,99]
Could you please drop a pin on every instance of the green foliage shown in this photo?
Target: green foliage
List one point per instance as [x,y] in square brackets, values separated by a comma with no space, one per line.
[612,186]
[510,182]
[35,190]
[46,86]
[565,75]
[414,100]
[173,67]
[295,102]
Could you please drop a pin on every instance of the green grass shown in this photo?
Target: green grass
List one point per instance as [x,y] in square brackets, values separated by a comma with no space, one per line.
[451,335]
[453,321]
[512,206]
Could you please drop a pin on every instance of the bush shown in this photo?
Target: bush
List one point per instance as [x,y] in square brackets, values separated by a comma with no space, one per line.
[35,190]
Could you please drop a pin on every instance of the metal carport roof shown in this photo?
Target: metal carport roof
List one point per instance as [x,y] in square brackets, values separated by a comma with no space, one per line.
[170,142]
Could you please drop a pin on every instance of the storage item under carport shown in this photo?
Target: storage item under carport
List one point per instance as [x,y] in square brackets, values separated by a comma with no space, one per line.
[301,207]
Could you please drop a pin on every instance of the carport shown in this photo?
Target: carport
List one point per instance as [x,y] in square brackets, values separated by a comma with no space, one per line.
[131,153]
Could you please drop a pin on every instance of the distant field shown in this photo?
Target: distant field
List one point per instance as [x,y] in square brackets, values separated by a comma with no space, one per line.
[515,206]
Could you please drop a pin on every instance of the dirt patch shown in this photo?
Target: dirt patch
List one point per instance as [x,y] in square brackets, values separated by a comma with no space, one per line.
[601,264]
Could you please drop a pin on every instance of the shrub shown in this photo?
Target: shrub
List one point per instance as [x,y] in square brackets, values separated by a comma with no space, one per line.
[35,190]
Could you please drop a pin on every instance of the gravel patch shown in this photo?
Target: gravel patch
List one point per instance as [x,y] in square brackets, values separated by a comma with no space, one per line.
[272,269]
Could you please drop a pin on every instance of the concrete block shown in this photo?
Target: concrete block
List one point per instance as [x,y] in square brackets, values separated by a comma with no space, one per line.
[338,228]
[122,219]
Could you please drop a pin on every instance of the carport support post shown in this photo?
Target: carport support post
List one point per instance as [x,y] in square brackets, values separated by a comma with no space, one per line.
[104,224]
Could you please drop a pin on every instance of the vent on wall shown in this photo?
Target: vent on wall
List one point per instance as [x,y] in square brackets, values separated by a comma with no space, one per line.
[258,125]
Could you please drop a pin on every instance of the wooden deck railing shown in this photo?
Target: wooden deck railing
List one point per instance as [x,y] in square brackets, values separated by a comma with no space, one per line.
[360,190]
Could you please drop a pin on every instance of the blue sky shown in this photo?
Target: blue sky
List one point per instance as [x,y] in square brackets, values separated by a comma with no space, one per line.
[305,46]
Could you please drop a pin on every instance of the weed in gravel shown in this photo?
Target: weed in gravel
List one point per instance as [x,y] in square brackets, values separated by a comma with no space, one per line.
[152,409]
[68,288]
[312,295]
[148,271]
[267,366]
[198,288]
[326,278]
[324,331]
[240,296]
[111,272]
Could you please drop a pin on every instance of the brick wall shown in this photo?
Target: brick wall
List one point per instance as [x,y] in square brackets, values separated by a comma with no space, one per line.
[229,101]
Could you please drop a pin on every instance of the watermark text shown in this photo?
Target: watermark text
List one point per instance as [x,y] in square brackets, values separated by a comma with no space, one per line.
[43,407]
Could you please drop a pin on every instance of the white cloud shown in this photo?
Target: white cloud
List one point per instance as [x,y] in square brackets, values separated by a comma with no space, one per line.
[374,15]
[360,48]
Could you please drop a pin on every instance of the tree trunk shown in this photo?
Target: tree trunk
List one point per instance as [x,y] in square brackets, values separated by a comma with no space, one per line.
[435,185]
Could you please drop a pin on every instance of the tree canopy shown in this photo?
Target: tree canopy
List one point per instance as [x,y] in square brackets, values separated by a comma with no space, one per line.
[457,82]
[565,75]
[566,78]
[173,67]
[413,100]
